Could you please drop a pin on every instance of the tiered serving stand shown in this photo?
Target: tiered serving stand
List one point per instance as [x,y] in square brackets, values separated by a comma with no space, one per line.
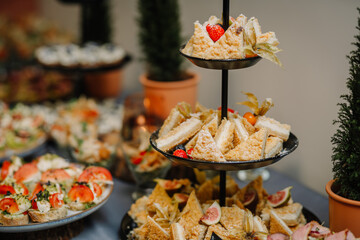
[225,65]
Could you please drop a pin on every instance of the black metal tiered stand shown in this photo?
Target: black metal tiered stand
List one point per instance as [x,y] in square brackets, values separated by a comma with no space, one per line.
[226,65]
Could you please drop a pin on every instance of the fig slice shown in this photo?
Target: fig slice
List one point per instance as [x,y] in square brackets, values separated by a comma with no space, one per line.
[170,186]
[251,199]
[279,198]
[181,199]
[212,215]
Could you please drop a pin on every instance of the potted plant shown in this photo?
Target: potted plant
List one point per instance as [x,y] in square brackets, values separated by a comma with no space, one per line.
[344,190]
[165,81]
[96,27]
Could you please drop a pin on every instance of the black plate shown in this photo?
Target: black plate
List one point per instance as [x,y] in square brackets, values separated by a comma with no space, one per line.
[128,224]
[223,64]
[289,146]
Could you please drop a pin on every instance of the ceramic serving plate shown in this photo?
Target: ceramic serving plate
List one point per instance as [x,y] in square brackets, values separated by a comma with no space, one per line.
[38,146]
[289,146]
[71,217]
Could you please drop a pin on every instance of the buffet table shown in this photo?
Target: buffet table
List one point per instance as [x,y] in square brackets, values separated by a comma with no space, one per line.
[104,224]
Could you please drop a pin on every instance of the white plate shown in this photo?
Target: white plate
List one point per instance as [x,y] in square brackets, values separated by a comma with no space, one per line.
[71,217]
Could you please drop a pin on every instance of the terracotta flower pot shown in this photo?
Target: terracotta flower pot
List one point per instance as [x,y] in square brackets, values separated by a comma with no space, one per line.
[343,213]
[161,97]
[104,84]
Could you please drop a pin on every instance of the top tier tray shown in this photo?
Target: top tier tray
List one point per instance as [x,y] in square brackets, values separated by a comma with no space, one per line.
[289,146]
[221,64]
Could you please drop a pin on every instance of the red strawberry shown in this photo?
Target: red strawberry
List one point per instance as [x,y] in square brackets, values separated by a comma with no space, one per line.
[180,153]
[215,31]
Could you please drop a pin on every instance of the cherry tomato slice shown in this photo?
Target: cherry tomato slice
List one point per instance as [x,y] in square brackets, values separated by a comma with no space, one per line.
[9,205]
[38,188]
[250,118]
[34,204]
[25,172]
[97,189]
[136,160]
[81,193]
[55,175]
[95,173]
[55,200]
[5,169]
[4,189]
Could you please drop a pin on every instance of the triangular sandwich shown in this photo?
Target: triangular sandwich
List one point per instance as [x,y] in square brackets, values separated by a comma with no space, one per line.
[177,232]
[173,120]
[180,134]
[191,214]
[252,149]
[155,231]
[277,225]
[206,149]
[274,127]
[199,42]
[224,136]
[273,146]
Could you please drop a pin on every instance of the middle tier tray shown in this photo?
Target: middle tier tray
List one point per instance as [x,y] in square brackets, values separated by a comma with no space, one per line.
[289,146]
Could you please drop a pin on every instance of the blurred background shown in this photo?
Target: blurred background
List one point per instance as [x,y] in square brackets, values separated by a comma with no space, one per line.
[315,37]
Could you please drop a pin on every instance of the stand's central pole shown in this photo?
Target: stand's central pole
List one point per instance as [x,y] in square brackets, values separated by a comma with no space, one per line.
[224,100]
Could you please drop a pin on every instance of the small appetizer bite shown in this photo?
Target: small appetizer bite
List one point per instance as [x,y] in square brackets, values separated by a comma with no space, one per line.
[9,167]
[9,185]
[96,174]
[84,195]
[14,209]
[47,203]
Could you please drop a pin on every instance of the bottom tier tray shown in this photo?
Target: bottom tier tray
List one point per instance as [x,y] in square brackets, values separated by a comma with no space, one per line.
[128,224]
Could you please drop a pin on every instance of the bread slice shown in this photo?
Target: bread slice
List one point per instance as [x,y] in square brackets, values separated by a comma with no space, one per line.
[259,225]
[14,219]
[138,211]
[224,136]
[160,197]
[232,217]
[277,225]
[211,125]
[206,149]
[190,216]
[242,20]
[252,149]
[173,120]
[205,191]
[177,232]
[222,233]
[240,129]
[274,127]
[180,134]
[290,214]
[273,146]
[199,42]
[53,214]
[155,231]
